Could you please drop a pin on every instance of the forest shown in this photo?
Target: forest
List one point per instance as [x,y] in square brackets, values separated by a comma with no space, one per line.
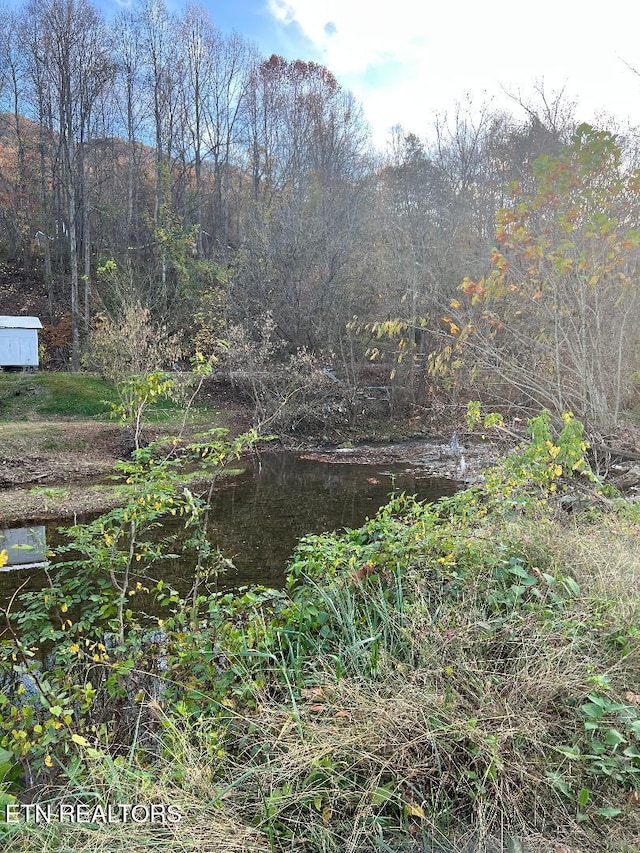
[154,161]
[244,300]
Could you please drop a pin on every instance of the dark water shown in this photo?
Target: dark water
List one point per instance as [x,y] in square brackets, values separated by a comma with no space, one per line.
[258,517]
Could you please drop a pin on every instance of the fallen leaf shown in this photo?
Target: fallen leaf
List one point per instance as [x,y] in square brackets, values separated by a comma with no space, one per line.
[414,810]
[312,693]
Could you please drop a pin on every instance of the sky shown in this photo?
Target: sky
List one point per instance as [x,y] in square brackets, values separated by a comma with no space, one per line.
[405,60]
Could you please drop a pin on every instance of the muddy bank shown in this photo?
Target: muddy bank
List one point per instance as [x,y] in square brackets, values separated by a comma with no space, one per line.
[75,501]
[432,457]
[43,452]
[71,502]
[62,469]
[71,485]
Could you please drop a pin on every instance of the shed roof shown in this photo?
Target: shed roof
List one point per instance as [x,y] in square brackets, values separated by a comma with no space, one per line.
[20,323]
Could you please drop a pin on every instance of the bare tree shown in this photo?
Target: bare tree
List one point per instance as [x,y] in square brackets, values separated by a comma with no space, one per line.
[73,66]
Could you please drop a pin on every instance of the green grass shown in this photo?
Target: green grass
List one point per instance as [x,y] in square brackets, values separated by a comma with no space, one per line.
[24,395]
[66,395]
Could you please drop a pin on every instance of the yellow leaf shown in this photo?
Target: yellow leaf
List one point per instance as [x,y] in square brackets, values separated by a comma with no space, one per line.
[47,760]
[4,558]
[81,741]
[414,810]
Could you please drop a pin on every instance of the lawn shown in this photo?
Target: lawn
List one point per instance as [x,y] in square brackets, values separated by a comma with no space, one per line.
[24,396]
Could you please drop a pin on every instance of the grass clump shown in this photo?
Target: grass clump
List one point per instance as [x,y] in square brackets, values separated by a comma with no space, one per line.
[455,676]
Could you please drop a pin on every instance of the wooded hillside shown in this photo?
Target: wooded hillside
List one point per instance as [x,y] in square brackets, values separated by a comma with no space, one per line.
[156,161]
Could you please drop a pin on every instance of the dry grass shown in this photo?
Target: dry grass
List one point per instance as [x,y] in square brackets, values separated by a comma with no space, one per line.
[451,755]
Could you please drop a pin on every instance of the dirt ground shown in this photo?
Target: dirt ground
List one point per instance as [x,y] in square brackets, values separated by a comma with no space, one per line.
[54,452]
[62,468]
[44,463]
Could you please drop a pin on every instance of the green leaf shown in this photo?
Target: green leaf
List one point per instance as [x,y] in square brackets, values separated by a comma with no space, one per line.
[559,784]
[382,795]
[583,797]
[572,752]
[614,738]
[519,572]
[590,709]
[571,586]
[608,812]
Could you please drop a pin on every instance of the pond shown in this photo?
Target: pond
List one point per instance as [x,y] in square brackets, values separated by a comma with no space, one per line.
[258,516]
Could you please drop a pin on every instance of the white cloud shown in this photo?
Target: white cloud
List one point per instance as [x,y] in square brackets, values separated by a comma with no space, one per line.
[352,35]
[405,59]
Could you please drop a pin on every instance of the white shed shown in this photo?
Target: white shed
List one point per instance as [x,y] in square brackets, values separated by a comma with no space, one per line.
[19,341]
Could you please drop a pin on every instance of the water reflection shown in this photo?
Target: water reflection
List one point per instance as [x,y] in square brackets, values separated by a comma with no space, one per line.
[258,517]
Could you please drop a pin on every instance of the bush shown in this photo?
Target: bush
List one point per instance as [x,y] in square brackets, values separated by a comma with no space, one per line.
[130,345]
